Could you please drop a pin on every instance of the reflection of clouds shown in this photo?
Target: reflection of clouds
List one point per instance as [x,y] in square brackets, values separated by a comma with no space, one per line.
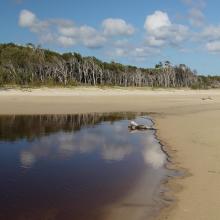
[118,128]
[89,142]
[152,153]
[27,159]
[65,143]
[110,141]
[115,152]
[154,157]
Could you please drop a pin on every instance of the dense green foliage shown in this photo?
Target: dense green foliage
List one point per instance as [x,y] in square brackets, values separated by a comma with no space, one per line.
[30,65]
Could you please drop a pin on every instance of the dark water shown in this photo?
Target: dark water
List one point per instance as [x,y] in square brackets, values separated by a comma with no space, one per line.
[74,166]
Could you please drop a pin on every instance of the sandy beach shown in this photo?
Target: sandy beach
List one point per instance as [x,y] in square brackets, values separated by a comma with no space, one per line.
[188,123]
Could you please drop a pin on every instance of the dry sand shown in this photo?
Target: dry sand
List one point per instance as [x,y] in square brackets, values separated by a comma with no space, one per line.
[188,123]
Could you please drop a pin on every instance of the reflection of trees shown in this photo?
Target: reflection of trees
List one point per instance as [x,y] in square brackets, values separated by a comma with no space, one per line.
[31,126]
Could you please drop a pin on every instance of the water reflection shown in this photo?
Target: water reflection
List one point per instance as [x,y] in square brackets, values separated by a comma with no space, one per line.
[113,146]
[31,126]
[152,152]
[72,166]
[27,159]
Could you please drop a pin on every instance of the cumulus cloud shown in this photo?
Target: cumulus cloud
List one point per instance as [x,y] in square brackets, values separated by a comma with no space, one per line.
[69,31]
[162,32]
[96,41]
[213,46]
[66,33]
[155,42]
[91,37]
[62,32]
[210,37]
[27,18]
[86,35]
[211,32]
[66,41]
[115,27]
[114,34]
[157,21]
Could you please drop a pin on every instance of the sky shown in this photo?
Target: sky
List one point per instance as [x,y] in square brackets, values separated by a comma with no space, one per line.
[134,32]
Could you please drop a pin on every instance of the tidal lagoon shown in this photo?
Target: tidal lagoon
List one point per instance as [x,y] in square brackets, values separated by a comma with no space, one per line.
[85,166]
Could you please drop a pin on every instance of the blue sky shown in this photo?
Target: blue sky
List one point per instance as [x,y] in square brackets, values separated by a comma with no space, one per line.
[140,32]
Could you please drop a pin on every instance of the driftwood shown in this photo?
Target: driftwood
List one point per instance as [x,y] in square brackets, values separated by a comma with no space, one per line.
[207,98]
[134,126]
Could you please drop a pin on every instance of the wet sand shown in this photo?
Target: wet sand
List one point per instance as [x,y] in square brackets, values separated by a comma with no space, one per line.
[188,123]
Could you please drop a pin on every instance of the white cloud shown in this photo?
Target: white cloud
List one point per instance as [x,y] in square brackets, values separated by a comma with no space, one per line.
[116,26]
[27,19]
[143,52]
[96,41]
[86,35]
[157,21]
[47,38]
[161,31]
[90,37]
[69,31]
[66,41]
[114,34]
[213,46]
[62,32]
[153,41]
[206,38]
[137,53]
[210,37]
[196,17]
[210,32]
[121,43]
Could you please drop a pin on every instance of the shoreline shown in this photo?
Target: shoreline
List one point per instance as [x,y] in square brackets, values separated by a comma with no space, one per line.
[179,187]
[170,183]
[170,186]
[187,122]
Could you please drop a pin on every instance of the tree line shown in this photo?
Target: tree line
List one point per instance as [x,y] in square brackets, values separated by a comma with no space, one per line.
[32,65]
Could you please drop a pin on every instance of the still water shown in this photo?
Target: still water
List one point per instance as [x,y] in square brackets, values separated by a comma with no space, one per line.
[78,167]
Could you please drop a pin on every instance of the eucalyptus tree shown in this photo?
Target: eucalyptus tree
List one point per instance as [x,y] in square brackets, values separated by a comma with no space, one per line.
[33,65]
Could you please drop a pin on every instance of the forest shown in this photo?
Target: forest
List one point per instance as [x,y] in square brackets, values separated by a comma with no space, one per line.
[31,65]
